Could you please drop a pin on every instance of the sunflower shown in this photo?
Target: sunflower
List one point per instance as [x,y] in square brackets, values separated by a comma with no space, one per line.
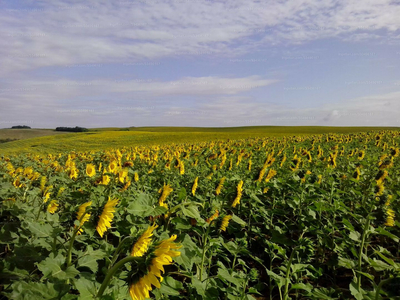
[166,190]
[386,164]
[379,188]
[361,154]
[332,160]
[82,212]
[319,179]
[320,152]
[356,174]
[17,182]
[127,184]
[181,168]
[270,160]
[213,217]
[262,173]
[309,157]
[394,151]
[43,180]
[142,244]
[380,177]
[73,173]
[90,170]
[295,163]
[303,175]
[239,194]
[60,191]
[128,164]
[225,222]
[220,185]
[195,184]
[28,171]
[162,256]
[390,217]
[52,206]
[283,160]
[46,196]
[10,168]
[136,177]
[113,167]
[123,175]
[105,179]
[388,200]
[271,173]
[223,160]
[106,216]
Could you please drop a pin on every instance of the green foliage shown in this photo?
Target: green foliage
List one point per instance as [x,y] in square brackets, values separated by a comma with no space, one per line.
[312,231]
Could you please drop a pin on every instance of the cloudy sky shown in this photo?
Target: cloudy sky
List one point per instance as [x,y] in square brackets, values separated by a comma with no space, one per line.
[204,63]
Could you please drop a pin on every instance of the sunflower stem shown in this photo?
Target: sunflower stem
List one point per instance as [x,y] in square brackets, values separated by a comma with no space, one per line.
[204,251]
[71,242]
[364,235]
[40,210]
[381,283]
[116,253]
[286,292]
[111,273]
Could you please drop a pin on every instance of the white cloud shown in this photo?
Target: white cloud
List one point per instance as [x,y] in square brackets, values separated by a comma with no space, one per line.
[62,34]
[376,110]
[63,98]
[59,33]
[219,110]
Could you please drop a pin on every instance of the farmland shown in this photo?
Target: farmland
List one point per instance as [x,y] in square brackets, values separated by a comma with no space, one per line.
[166,213]
[50,141]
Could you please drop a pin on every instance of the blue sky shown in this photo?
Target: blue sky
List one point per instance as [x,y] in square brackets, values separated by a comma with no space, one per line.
[199,63]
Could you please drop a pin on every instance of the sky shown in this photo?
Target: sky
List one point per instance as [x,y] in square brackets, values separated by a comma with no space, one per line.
[199,63]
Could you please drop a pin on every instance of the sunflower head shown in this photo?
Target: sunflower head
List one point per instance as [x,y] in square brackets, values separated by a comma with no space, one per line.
[394,152]
[106,216]
[361,154]
[390,215]
[90,170]
[379,188]
[53,205]
[82,215]
[112,167]
[142,244]
[162,255]
[225,222]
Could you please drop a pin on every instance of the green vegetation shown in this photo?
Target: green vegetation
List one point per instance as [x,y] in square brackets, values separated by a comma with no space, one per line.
[72,129]
[106,138]
[20,127]
[299,217]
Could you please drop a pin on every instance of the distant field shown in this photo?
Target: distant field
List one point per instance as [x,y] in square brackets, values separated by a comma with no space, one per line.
[21,134]
[49,141]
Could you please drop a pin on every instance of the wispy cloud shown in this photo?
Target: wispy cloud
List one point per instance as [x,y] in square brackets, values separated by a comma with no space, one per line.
[56,33]
[104,62]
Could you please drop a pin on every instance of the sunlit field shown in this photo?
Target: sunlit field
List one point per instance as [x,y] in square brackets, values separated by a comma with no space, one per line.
[301,216]
[107,138]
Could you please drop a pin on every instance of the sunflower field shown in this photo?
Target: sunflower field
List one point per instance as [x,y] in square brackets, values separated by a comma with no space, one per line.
[295,217]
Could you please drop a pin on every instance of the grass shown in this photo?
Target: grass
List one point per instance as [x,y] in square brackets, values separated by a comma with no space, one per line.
[106,138]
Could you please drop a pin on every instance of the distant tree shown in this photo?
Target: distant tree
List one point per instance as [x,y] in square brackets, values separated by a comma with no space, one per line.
[20,127]
[72,129]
